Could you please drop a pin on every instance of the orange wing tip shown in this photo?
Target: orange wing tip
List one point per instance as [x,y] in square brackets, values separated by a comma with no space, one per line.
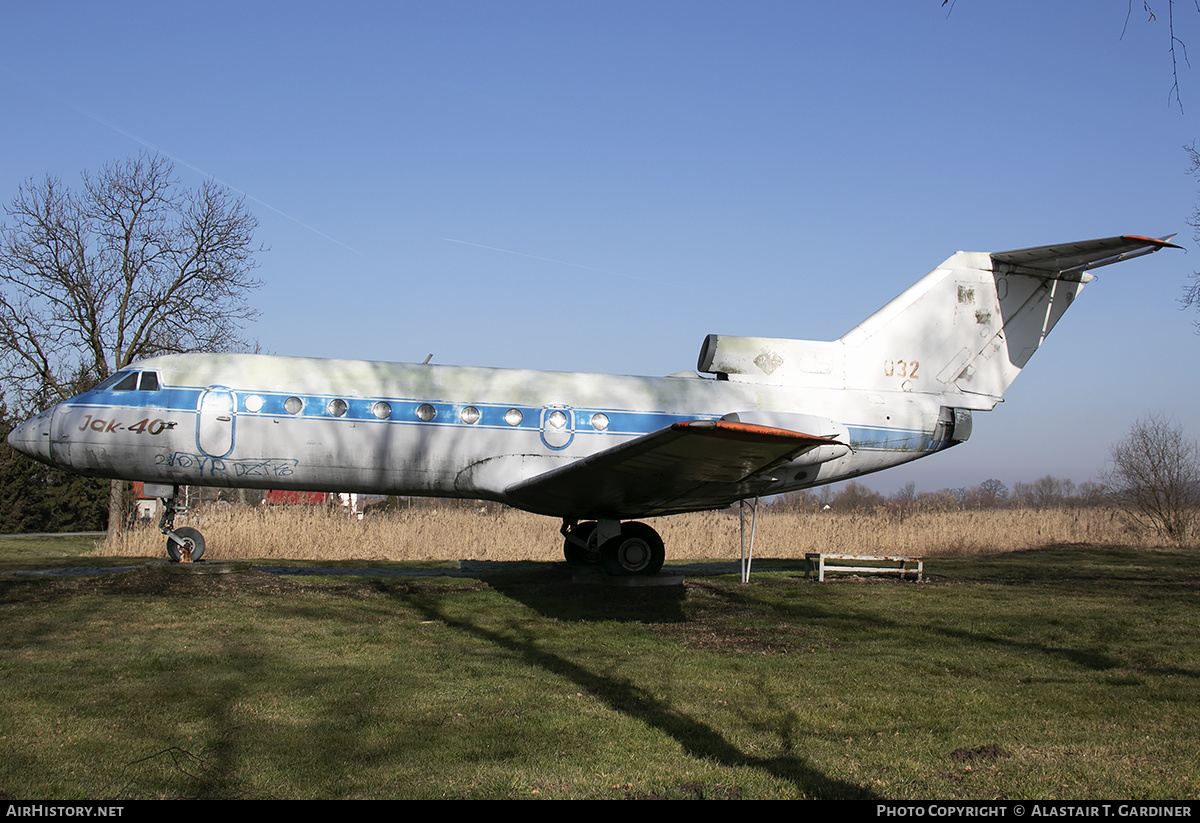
[1161,242]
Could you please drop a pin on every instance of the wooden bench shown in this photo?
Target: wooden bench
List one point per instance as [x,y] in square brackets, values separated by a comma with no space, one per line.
[904,564]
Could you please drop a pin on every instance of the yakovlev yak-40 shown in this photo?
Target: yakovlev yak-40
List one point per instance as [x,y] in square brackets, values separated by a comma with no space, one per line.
[596,450]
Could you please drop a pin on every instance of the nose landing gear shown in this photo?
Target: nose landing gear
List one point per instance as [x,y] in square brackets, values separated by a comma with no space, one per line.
[184,545]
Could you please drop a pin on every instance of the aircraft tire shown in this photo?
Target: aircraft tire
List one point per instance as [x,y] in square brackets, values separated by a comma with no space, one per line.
[638,550]
[577,555]
[193,540]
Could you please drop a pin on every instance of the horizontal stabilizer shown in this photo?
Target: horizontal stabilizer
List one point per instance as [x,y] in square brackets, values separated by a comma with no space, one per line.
[698,464]
[1066,261]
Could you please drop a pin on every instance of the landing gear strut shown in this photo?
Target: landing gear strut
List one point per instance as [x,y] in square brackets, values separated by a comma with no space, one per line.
[579,543]
[185,545]
[620,548]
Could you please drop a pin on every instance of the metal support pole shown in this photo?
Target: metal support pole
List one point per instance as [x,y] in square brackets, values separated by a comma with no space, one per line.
[748,556]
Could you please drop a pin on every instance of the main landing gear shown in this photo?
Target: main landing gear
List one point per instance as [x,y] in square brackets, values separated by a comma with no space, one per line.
[184,545]
[619,548]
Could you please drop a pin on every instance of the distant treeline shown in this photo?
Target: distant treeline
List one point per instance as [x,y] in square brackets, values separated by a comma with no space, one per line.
[1048,492]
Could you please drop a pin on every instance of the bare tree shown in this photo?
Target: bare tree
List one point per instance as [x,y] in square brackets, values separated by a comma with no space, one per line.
[1044,493]
[1174,42]
[855,497]
[1176,47]
[903,501]
[990,494]
[1191,293]
[1155,475]
[130,266]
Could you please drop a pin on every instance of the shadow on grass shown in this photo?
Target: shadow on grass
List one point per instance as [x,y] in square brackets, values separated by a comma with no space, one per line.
[697,738]
[243,666]
[1152,583]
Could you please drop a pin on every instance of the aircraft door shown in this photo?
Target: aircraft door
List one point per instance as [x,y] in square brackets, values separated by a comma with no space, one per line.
[558,426]
[214,429]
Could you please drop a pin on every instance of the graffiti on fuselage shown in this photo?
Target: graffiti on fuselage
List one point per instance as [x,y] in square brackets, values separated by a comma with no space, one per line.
[205,466]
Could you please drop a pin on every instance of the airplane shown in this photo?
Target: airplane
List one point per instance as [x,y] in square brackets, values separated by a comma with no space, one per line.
[758,417]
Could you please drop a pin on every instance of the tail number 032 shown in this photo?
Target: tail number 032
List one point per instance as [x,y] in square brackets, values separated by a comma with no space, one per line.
[901,368]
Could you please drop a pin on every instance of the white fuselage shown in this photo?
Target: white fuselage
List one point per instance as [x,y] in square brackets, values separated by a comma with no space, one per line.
[257,421]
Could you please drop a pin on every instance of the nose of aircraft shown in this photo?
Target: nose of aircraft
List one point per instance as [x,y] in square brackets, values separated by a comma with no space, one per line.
[33,436]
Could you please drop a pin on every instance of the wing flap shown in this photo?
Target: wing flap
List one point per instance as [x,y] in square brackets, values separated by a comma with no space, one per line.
[1068,261]
[698,464]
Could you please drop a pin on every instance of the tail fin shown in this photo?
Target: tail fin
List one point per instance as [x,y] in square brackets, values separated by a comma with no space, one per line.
[967,328]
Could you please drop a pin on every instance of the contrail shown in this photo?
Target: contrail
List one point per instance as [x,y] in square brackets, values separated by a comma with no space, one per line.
[142,141]
[552,260]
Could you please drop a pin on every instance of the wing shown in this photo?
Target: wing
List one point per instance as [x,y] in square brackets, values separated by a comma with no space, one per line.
[1068,261]
[691,466]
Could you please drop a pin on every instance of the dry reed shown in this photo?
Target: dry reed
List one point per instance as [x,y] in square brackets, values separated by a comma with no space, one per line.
[432,533]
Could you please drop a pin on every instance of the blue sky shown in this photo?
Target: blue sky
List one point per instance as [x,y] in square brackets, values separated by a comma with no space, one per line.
[595,187]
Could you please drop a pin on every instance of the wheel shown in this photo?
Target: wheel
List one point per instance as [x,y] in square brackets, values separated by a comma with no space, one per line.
[638,550]
[193,542]
[578,555]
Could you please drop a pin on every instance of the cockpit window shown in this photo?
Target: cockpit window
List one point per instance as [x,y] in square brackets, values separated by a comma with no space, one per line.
[108,381]
[128,382]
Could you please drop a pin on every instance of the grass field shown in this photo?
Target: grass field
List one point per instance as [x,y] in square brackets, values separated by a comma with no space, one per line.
[1067,672]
